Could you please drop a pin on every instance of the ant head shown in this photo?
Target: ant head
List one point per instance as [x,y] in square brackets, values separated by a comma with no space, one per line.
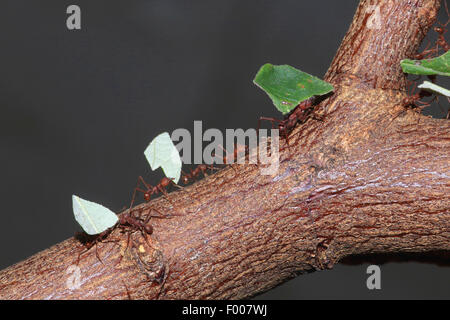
[148,229]
[165,182]
[439,30]
[406,101]
[147,196]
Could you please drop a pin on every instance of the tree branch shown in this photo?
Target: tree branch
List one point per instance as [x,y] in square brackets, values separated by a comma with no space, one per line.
[371,177]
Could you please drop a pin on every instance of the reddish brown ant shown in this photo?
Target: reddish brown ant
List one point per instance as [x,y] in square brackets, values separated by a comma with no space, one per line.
[426,53]
[413,99]
[151,190]
[127,222]
[238,151]
[440,41]
[201,168]
[237,154]
[299,114]
[441,31]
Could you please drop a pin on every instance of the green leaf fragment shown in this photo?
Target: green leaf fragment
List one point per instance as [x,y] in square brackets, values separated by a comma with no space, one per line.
[429,86]
[92,217]
[427,67]
[161,152]
[287,86]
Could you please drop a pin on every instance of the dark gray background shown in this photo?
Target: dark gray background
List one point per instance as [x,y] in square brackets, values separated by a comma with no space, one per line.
[79,107]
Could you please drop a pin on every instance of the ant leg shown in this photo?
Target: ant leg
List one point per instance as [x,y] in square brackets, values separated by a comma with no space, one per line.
[164,192]
[97,254]
[212,168]
[413,87]
[448,15]
[423,104]
[132,199]
[176,185]
[81,252]
[128,292]
[205,174]
[163,282]
[240,152]
[86,248]
[225,154]
[159,215]
[140,179]
[272,120]
[225,158]
[149,216]
[424,52]
[147,186]
[396,116]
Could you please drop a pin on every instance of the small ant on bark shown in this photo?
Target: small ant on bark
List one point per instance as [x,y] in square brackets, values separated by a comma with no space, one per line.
[440,41]
[151,190]
[414,99]
[441,31]
[238,151]
[299,114]
[426,53]
[193,174]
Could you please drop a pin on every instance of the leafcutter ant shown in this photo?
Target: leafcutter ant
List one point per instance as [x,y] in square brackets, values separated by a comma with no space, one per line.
[193,174]
[440,42]
[127,223]
[299,114]
[151,190]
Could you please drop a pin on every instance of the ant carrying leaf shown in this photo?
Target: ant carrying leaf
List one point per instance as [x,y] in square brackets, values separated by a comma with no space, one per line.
[161,152]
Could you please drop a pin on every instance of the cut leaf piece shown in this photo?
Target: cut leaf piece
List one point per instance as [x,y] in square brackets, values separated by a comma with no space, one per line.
[287,86]
[92,217]
[427,67]
[161,152]
[430,86]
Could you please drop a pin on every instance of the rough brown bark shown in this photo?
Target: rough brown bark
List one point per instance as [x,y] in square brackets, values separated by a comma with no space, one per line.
[371,177]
